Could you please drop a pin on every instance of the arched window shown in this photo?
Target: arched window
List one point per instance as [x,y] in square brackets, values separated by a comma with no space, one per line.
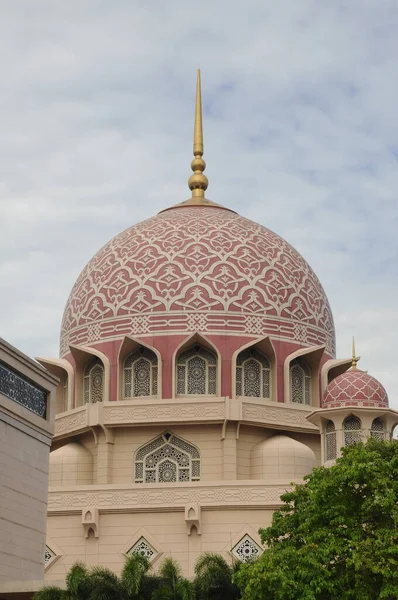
[167,459]
[330,441]
[352,431]
[253,374]
[300,382]
[377,429]
[140,374]
[197,372]
[93,381]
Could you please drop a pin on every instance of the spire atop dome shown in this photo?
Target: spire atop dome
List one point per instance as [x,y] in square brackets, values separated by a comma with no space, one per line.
[198,126]
[198,182]
[355,359]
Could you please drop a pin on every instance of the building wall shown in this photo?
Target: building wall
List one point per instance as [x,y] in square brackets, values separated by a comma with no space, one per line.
[25,440]
[248,438]
[228,505]
[167,531]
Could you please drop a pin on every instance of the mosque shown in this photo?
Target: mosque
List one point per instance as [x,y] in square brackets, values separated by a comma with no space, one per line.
[197,380]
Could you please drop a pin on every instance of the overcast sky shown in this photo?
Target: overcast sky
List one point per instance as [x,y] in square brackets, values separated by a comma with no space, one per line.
[301,134]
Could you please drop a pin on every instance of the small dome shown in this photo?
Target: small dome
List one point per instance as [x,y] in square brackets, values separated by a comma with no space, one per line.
[281,457]
[71,465]
[355,388]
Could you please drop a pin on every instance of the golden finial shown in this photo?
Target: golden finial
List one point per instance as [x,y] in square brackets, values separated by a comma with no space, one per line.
[355,358]
[198,181]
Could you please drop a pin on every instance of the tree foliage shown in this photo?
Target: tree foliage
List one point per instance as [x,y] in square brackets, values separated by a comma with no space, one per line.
[214,578]
[99,583]
[336,536]
[134,583]
[173,586]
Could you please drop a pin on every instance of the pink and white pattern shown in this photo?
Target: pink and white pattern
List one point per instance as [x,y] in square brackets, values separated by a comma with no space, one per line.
[355,388]
[197,267]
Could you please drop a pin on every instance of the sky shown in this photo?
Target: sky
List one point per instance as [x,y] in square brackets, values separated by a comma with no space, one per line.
[300,130]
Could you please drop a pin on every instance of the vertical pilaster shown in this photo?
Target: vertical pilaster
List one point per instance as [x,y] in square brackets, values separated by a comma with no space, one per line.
[104,457]
[229,452]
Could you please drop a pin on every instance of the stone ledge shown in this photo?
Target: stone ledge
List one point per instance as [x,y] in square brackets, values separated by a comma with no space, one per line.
[261,413]
[119,498]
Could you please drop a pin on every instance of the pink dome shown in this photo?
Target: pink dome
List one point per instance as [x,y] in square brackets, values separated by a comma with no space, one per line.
[355,388]
[197,268]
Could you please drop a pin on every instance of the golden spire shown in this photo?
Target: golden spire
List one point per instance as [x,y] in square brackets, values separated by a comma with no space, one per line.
[355,358]
[198,182]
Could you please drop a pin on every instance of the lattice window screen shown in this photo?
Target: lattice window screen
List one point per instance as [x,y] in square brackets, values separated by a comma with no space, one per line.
[143,547]
[330,441]
[93,381]
[377,429]
[300,382]
[167,459]
[246,550]
[196,372]
[141,374]
[352,431]
[48,555]
[253,374]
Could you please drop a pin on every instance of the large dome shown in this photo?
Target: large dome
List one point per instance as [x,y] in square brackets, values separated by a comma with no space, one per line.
[198,268]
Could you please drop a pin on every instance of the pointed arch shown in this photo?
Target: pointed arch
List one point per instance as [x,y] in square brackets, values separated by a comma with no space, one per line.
[265,347]
[128,347]
[352,429]
[93,381]
[312,357]
[300,382]
[377,429]
[62,369]
[203,342]
[330,441]
[167,459]
[83,356]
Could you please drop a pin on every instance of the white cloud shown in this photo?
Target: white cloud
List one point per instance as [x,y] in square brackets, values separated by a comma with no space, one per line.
[96,102]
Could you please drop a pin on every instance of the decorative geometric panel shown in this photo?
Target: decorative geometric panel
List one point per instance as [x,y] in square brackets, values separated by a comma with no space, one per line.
[197,372]
[93,381]
[141,374]
[377,429]
[300,382]
[144,548]
[246,549]
[330,441]
[167,459]
[48,555]
[352,431]
[20,390]
[253,374]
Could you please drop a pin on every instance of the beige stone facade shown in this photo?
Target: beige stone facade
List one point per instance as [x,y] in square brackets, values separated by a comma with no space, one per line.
[27,407]
[244,470]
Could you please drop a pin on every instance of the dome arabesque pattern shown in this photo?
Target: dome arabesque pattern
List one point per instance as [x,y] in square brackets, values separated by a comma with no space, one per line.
[355,388]
[197,268]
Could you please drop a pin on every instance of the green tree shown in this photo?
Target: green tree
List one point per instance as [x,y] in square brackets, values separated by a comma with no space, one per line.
[336,536]
[172,585]
[214,576]
[99,583]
